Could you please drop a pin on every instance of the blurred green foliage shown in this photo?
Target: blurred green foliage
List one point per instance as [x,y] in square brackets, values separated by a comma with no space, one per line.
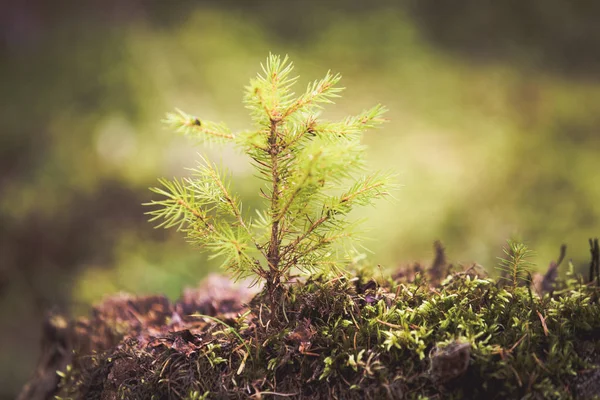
[488,144]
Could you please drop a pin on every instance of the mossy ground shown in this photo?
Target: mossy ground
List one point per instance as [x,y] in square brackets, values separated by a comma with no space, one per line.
[442,333]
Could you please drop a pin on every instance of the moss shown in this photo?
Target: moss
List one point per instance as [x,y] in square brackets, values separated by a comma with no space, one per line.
[467,336]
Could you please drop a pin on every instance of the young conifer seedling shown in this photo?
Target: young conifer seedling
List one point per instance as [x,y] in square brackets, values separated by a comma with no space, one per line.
[516,267]
[314,175]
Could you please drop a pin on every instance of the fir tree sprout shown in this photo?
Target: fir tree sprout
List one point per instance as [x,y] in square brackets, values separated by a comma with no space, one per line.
[313,172]
[516,266]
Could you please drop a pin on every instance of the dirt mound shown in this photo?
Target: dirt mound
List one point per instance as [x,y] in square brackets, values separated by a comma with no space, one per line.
[437,332]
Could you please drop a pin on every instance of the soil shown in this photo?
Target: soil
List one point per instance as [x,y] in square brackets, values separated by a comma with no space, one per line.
[122,320]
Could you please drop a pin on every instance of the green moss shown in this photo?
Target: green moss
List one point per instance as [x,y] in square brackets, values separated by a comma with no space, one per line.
[465,337]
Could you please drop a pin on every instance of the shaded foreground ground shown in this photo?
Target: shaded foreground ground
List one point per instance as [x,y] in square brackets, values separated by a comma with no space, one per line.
[444,332]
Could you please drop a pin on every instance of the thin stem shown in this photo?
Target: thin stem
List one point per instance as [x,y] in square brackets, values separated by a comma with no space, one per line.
[274,150]
[196,214]
[314,225]
[236,211]
[323,242]
[195,124]
[323,219]
[347,198]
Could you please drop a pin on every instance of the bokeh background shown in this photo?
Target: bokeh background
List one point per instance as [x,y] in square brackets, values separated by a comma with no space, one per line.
[494,132]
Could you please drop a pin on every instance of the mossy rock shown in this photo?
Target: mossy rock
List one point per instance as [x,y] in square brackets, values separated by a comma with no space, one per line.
[447,333]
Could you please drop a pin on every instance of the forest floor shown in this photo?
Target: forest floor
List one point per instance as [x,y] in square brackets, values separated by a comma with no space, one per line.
[438,332]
